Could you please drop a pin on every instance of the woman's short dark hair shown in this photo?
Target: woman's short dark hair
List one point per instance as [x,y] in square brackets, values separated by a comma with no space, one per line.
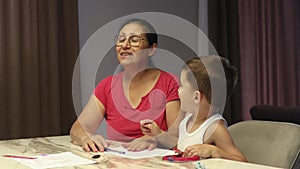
[150,34]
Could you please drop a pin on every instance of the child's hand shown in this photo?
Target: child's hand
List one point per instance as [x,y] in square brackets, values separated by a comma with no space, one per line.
[150,128]
[201,150]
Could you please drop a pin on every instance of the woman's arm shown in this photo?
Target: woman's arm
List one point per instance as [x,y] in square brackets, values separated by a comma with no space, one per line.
[172,111]
[83,129]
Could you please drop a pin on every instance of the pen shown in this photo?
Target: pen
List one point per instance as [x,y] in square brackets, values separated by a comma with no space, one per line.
[115,151]
[22,157]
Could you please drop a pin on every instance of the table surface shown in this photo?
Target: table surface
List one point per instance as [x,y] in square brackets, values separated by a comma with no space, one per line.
[58,144]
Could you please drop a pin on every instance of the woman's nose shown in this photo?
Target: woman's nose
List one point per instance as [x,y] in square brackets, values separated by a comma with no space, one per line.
[126,44]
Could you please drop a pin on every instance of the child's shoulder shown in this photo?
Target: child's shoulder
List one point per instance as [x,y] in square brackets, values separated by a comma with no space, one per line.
[216,129]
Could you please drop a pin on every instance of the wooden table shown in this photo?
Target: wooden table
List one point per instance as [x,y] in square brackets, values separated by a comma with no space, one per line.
[58,144]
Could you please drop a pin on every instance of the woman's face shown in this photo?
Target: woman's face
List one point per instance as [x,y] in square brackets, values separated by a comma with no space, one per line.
[186,93]
[133,47]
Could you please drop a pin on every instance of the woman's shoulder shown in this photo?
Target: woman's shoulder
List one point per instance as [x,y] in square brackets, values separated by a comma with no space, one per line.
[168,75]
[111,77]
[107,81]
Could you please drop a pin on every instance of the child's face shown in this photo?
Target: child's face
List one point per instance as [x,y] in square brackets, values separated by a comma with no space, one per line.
[186,93]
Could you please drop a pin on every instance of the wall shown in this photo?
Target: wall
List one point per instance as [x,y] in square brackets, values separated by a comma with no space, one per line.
[94,14]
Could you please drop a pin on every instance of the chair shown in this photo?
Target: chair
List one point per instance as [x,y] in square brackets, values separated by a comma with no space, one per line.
[268,143]
[276,113]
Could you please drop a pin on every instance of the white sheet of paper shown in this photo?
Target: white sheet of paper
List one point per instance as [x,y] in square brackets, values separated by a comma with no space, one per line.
[55,160]
[141,154]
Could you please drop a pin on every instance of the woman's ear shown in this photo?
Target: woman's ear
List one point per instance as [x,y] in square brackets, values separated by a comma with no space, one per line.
[152,49]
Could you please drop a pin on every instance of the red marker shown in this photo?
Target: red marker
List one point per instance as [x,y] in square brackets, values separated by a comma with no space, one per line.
[21,157]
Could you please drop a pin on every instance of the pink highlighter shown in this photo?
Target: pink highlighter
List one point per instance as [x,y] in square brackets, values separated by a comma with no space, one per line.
[179,157]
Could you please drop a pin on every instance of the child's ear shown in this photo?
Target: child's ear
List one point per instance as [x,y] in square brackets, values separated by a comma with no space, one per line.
[197,97]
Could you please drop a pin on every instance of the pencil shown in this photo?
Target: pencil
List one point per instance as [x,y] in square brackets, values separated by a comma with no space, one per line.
[21,157]
[115,151]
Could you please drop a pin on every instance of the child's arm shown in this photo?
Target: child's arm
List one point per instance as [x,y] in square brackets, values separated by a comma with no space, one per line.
[166,139]
[218,145]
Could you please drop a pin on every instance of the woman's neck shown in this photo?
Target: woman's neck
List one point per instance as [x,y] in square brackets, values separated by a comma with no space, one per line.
[136,72]
[131,71]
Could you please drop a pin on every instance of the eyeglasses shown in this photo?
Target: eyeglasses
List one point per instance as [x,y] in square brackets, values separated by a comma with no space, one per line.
[134,40]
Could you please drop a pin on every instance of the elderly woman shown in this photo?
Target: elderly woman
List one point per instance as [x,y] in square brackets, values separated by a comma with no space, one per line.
[139,92]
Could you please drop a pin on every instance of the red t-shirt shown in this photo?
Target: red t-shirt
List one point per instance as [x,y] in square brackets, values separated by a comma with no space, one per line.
[123,121]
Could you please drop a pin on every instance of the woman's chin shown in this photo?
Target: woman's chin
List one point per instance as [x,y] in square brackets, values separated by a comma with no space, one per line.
[125,62]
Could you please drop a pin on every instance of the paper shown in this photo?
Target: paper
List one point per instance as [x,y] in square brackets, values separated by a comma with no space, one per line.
[55,160]
[147,153]
[140,154]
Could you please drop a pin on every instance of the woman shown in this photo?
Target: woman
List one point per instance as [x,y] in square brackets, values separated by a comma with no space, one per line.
[139,92]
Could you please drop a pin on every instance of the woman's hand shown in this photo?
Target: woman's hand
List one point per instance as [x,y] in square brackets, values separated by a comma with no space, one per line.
[93,143]
[142,143]
[150,128]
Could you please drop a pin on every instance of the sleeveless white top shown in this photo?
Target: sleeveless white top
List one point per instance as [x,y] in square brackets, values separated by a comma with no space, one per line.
[197,137]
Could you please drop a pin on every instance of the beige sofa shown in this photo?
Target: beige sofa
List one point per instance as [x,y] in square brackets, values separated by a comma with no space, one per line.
[269,143]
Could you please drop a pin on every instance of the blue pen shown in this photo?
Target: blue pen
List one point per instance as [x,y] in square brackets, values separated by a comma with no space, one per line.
[115,151]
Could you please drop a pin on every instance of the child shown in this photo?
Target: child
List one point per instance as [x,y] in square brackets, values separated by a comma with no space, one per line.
[203,131]
[206,84]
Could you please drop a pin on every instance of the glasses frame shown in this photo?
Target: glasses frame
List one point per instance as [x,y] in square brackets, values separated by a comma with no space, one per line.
[128,38]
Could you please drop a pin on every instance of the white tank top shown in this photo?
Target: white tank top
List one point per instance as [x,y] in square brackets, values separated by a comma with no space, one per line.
[186,139]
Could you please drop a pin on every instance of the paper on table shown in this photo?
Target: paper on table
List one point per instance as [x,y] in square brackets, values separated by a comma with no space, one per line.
[140,154]
[55,160]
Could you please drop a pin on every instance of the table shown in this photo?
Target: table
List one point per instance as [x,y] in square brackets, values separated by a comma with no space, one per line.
[57,144]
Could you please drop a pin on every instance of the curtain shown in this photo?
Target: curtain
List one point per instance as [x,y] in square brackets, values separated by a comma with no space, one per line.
[269,50]
[222,32]
[39,47]
[261,38]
